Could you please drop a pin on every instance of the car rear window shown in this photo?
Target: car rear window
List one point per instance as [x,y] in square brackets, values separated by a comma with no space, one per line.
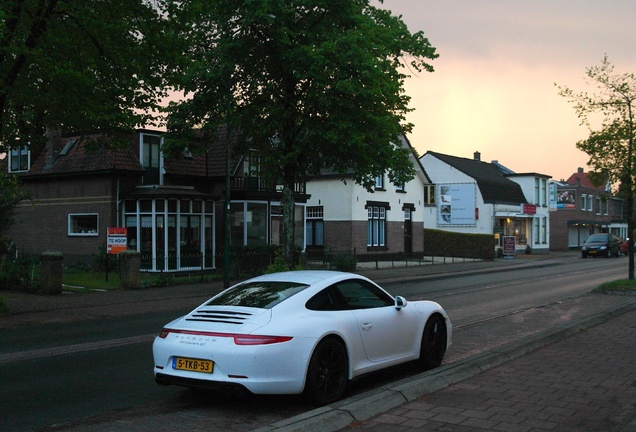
[597,238]
[264,295]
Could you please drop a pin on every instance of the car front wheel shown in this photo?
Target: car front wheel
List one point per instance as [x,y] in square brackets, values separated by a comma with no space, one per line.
[327,372]
[433,345]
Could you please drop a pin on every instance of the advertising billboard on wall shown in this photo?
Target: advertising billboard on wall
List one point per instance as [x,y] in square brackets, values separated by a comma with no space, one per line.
[566,199]
[456,204]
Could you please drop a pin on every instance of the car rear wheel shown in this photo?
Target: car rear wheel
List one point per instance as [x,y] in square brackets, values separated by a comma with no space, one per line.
[433,345]
[327,372]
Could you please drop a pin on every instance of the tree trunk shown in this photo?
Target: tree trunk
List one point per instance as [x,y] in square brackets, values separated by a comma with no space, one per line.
[289,224]
[630,227]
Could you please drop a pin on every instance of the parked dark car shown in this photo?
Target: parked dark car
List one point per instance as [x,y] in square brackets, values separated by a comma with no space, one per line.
[605,244]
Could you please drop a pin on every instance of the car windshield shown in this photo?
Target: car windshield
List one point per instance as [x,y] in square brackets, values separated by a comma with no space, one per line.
[596,238]
[264,295]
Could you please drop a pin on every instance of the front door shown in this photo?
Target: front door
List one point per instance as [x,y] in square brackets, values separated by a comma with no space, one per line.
[408,231]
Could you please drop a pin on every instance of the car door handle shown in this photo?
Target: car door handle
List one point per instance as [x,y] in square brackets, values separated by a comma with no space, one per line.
[366,326]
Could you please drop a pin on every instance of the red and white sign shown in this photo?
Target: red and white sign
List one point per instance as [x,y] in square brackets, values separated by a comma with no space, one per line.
[117,240]
[529,209]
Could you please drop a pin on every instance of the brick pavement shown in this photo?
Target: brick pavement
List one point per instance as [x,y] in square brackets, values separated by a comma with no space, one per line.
[586,382]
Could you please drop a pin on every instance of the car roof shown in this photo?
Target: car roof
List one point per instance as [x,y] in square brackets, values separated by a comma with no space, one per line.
[308,277]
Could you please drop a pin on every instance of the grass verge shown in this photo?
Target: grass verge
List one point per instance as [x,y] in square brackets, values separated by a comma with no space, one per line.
[623,285]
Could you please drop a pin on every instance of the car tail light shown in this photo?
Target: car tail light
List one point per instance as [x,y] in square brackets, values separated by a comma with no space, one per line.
[259,340]
[239,339]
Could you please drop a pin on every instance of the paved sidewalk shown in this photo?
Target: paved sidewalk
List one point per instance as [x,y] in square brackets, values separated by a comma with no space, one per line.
[586,382]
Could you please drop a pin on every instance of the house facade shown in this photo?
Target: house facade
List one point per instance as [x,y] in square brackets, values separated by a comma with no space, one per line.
[580,208]
[172,209]
[476,197]
[344,216]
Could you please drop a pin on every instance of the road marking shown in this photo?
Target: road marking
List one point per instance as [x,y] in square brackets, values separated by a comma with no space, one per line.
[75,348]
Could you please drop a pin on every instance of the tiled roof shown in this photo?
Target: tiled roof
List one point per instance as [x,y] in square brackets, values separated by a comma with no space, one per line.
[584,179]
[495,188]
[81,157]
[209,164]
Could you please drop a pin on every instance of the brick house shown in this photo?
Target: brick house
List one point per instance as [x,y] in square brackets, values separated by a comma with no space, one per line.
[342,215]
[172,209]
[579,208]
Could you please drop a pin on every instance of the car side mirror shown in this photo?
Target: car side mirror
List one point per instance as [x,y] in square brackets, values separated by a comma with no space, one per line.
[400,302]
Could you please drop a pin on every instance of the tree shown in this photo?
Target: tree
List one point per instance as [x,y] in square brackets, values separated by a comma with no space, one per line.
[310,85]
[79,66]
[608,113]
[11,194]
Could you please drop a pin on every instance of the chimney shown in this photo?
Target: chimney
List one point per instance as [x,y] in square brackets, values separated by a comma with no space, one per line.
[477,156]
[580,170]
[53,137]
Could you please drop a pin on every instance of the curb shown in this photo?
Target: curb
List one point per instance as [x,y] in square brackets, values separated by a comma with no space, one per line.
[362,407]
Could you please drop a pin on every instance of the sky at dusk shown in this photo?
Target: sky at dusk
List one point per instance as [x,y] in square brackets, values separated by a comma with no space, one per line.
[493,89]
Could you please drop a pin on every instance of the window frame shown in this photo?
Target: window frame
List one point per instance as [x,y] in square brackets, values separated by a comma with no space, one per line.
[376,225]
[21,152]
[379,182]
[69,227]
[429,195]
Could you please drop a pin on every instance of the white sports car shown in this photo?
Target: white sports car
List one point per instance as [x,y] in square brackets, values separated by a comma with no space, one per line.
[298,331]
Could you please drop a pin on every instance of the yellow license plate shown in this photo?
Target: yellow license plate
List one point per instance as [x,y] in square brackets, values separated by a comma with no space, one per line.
[189,364]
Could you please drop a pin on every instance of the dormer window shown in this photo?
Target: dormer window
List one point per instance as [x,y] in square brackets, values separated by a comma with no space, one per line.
[151,158]
[19,159]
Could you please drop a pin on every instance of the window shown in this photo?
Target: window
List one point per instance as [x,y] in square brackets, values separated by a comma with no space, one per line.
[544,192]
[83,224]
[586,202]
[376,225]
[379,182]
[315,235]
[537,192]
[360,294]
[348,295]
[150,157]
[598,205]
[544,230]
[429,194]
[262,295]
[19,159]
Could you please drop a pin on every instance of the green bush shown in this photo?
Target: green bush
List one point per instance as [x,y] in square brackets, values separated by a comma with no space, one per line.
[450,244]
[345,263]
[21,273]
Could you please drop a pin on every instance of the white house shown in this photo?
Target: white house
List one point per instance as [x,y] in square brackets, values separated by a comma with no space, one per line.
[342,215]
[477,197]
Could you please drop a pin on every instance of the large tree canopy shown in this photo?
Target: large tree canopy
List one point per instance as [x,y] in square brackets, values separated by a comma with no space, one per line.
[78,66]
[310,84]
[608,112]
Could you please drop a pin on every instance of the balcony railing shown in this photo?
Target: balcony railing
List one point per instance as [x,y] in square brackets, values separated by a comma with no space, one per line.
[258,184]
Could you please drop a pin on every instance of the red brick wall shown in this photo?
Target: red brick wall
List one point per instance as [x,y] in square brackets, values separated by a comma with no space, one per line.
[41,224]
[349,235]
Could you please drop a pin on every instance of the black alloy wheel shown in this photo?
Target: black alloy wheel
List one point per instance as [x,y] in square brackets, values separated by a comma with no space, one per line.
[327,372]
[433,345]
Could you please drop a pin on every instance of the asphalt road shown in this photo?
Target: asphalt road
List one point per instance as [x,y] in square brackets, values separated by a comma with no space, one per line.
[97,374]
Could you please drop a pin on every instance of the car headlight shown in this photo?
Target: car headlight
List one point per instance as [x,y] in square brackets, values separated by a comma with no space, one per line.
[603,247]
[584,248]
